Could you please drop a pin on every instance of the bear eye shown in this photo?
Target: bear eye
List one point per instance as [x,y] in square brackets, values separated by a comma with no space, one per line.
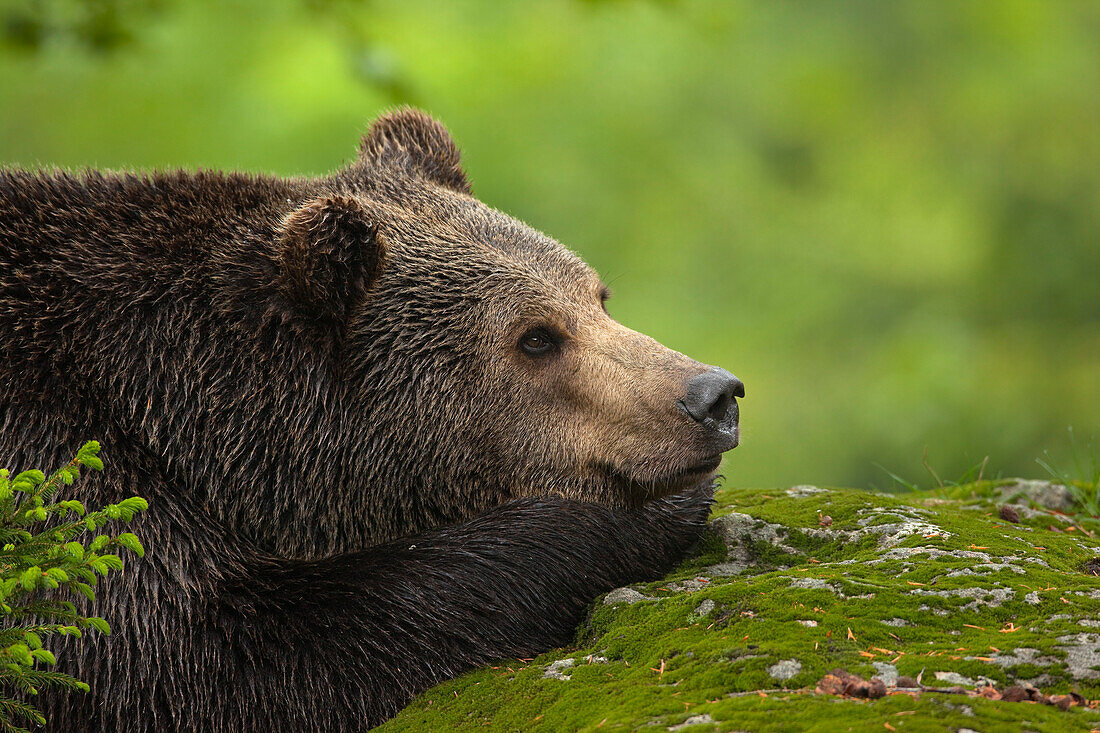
[537,342]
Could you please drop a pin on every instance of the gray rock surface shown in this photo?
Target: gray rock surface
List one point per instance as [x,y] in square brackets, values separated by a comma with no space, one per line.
[693,720]
[888,673]
[784,670]
[1082,655]
[624,595]
[1044,493]
[555,670]
[702,610]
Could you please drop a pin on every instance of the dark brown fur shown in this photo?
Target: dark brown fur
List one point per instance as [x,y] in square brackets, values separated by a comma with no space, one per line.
[296,374]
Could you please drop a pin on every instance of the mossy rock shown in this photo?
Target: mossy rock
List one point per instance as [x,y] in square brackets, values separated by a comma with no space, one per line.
[788,585]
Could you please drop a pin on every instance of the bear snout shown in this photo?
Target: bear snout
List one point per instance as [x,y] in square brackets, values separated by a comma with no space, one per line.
[711,401]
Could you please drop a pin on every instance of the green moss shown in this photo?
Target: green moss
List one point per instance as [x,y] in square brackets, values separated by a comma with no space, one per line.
[968,594]
[710,551]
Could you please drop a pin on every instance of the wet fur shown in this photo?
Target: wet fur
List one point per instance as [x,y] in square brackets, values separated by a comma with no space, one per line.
[300,377]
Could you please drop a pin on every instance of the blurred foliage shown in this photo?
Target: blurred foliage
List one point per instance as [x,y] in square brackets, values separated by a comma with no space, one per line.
[882,216]
[100,25]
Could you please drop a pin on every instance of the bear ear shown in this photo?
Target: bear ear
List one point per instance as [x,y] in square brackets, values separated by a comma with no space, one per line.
[412,140]
[329,254]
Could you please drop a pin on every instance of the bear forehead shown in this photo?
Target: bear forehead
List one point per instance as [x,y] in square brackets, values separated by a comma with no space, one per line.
[438,223]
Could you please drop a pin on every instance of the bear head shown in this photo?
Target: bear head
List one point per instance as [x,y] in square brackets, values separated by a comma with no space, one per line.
[478,361]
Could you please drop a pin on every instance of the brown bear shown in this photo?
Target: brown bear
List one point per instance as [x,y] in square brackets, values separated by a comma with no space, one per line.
[386,432]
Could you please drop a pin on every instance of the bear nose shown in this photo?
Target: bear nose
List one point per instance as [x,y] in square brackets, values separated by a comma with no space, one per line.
[710,394]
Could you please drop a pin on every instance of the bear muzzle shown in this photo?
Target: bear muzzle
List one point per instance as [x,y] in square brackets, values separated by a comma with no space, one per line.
[711,401]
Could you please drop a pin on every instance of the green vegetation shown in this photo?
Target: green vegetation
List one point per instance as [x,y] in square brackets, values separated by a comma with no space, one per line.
[48,549]
[1081,476]
[883,216]
[931,585]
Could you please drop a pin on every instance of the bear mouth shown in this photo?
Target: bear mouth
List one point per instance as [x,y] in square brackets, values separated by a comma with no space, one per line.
[656,487]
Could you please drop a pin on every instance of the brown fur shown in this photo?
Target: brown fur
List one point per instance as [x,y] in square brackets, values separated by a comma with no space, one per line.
[293,371]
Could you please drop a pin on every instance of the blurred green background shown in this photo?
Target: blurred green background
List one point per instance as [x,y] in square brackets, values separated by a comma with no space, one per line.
[883,216]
